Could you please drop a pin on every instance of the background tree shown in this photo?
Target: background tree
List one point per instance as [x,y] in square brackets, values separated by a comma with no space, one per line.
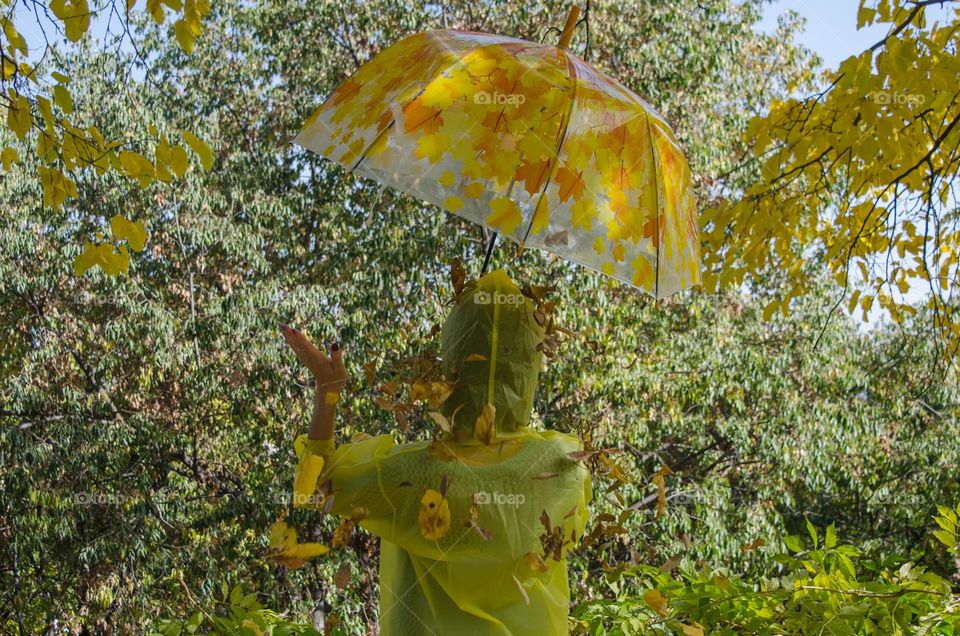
[860,175]
[38,96]
[146,421]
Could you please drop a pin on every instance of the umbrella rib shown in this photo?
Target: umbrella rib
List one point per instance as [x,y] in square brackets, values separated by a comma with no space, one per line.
[563,137]
[656,188]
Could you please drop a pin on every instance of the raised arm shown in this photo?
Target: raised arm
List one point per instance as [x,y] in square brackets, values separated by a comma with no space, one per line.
[329,376]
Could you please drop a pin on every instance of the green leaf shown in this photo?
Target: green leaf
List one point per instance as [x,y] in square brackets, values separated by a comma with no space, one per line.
[793,543]
[813,533]
[831,539]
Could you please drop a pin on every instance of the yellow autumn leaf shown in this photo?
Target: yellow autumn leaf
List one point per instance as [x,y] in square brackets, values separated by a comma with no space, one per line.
[16,41]
[19,119]
[179,162]
[305,483]
[75,15]
[484,429]
[63,99]
[658,480]
[104,255]
[434,515]
[453,203]
[541,216]
[692,630]
[446,179]
[287,550]
[134,233]
[434,393]
[56,187]
[432,146]
[136,166]
[202,150]
[8,70]
[186,33]
[9,157]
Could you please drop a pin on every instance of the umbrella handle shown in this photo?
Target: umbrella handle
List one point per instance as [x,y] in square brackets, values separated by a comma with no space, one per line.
[569,27]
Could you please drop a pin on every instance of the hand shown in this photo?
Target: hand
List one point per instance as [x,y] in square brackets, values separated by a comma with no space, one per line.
[328,371]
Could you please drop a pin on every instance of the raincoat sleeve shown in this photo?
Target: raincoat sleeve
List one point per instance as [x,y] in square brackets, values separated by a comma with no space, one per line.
[340,479]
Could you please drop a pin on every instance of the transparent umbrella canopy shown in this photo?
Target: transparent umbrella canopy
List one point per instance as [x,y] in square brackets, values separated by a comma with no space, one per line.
[527,140]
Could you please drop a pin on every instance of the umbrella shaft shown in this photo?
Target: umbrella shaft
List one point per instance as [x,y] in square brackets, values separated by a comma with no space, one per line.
[486,259]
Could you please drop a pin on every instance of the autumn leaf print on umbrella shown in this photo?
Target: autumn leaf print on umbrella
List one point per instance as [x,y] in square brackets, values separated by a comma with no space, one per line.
[526,139]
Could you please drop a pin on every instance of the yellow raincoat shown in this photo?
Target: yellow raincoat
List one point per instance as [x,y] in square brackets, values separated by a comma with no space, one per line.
[460,522]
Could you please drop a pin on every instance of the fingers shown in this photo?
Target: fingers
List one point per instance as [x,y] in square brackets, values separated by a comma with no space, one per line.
[306,352]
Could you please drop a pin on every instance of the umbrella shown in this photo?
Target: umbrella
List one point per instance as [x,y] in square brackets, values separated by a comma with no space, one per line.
[526,139]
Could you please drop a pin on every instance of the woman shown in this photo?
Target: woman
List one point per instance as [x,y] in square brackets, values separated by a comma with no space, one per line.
[474,527]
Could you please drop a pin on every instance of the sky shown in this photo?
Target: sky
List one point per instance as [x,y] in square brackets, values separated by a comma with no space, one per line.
[831,32]
[831,26]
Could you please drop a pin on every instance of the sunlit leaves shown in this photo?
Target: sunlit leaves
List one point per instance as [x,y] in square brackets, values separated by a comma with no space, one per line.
[846,176]
[75,15]
[65,147]
[8,157]
[56,187]
[113,256]
[201,148]
[19,119]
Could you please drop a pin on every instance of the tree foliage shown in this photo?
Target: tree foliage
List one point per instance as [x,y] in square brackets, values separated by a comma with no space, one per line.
[39,101]
[860,175]
[146,421]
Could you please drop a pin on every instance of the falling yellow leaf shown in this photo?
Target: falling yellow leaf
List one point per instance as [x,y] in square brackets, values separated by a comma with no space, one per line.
[287,550]
[434,516]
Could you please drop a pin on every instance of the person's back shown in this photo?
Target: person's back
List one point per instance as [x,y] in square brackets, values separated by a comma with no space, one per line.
[474,526]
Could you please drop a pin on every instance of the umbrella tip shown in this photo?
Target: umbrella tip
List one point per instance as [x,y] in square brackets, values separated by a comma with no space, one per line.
[568,28]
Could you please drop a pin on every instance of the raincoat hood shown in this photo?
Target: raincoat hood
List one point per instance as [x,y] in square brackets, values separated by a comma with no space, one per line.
[490,352]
